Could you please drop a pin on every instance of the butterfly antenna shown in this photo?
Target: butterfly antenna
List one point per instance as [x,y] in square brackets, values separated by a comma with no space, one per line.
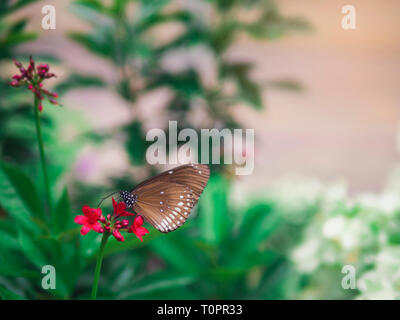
[106,197]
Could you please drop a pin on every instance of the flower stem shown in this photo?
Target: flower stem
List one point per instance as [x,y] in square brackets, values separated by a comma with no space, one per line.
[42,155]
[98,265]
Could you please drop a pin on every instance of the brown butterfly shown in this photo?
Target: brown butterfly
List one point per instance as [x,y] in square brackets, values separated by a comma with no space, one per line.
[167,199]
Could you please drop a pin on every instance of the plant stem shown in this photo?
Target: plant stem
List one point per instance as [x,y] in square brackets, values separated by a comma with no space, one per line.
[98,265]
[42,155]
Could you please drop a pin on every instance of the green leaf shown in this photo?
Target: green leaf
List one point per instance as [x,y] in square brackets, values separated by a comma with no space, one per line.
[136,143]
[6,294]
[8,235]
[248,90]
[187,83]
[76,81]
[9,8]
[18,26]
[61,215]
[31,248]
[25,188]
[11,201]
[178,252]
[14,264]
[99,45]
[156,282]
[17,38]
[285,85]
[214,216]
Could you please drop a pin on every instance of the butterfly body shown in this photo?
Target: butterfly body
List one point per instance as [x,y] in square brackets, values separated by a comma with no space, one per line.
[167,200]
[128,198]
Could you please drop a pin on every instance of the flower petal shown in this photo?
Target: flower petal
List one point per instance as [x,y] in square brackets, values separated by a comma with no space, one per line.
[86,210]
[97,227]
[127,213]
[97,213]
[138,222]
[80,220]
[85,229]
[114,203]
[120,208]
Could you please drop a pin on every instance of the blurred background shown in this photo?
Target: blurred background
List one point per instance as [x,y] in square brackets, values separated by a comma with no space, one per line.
[322,101]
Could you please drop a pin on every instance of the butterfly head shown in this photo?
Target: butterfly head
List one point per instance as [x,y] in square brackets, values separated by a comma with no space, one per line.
[128,198]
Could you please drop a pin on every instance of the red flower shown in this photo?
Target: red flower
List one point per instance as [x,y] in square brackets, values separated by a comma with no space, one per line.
[33,78]
[137,228]
[120,209]
[89,220]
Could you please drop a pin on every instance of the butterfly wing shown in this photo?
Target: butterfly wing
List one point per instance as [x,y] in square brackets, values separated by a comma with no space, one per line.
[167,199]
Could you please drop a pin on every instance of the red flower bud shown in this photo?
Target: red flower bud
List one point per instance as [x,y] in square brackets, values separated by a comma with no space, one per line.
[125,222]
[102,219]
[17,63]
[52,101]
[31,62]
[14,83]
[40,107]
[118,235]
[107,228]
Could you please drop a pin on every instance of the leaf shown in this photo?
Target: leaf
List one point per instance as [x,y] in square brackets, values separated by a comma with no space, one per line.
[31,248]
[6,294]
[248,90]
[260,220]
[214,216]
[187,83]
[13,204]
[25,188]
[7,235]
[156,282]
[17,38]
[272,25]
[179,252]
[18,26]
[61,215]
[136,143]
[76,81]
[285,85]
[15,6]
[99,46]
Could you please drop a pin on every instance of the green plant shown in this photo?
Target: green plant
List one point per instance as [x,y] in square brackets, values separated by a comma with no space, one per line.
[122,34]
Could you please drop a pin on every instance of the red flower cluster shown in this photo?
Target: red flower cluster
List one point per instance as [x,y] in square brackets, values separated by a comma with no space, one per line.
[93,219]
[33,78]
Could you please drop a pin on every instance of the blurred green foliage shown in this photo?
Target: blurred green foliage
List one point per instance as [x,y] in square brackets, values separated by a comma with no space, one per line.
[291,242]
[122,34]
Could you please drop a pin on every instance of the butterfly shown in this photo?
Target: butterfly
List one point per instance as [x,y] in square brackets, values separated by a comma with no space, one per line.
[167,200]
